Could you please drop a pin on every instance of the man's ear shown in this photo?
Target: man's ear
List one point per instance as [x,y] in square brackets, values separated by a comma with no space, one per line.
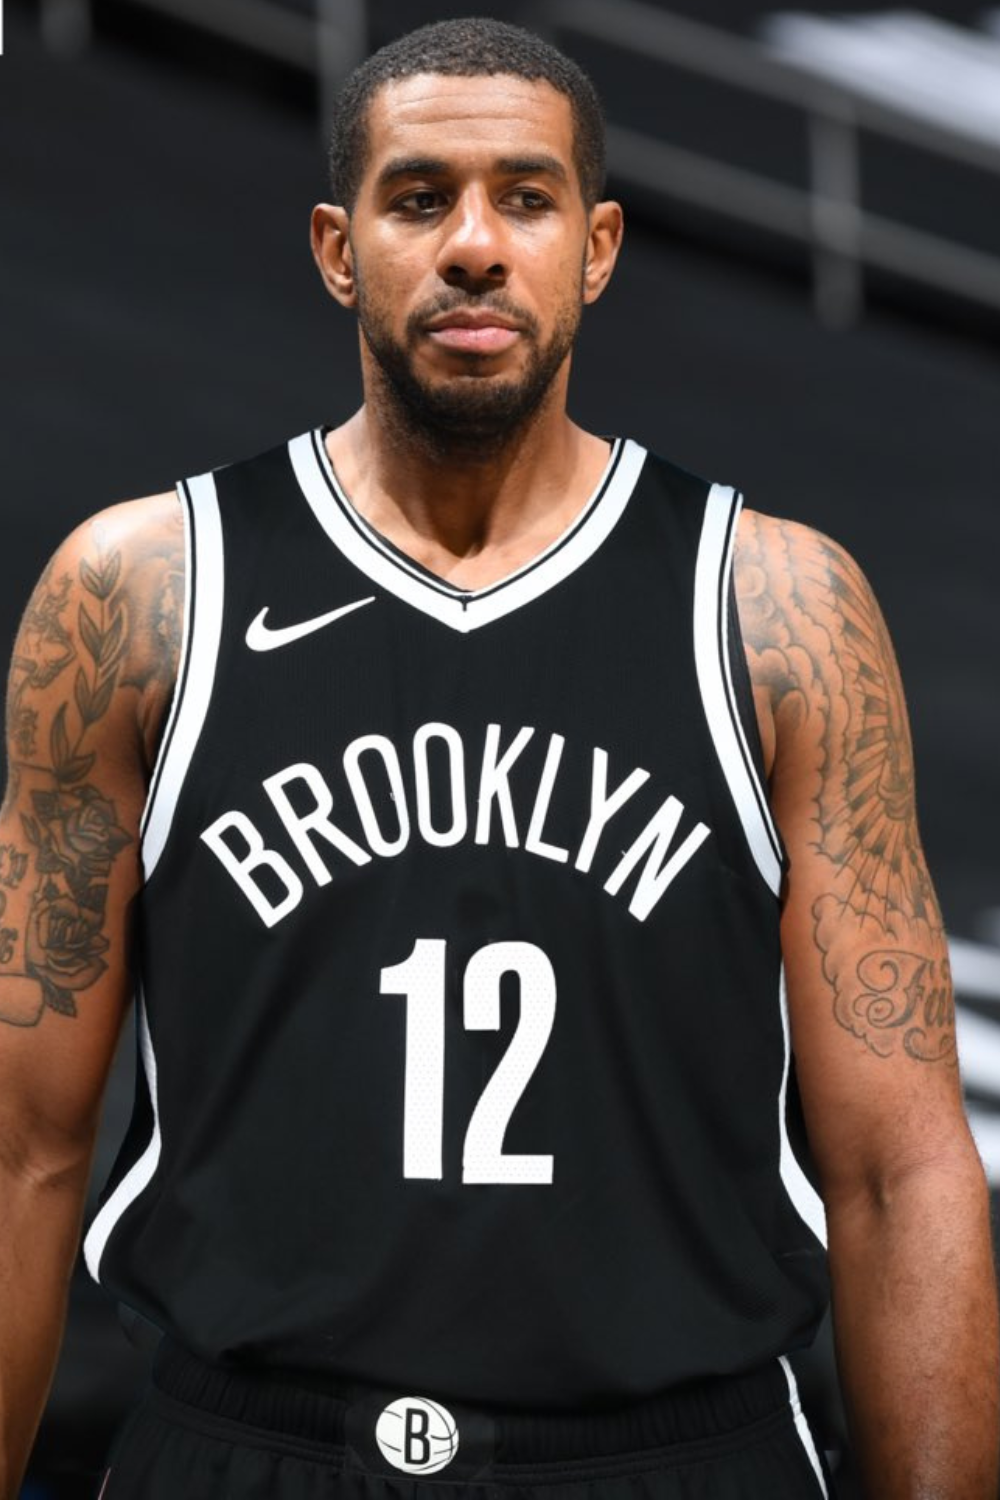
[604,242]
[331,248]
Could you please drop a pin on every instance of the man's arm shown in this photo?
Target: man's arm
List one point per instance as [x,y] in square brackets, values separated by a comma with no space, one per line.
[873,1026]
[91,676]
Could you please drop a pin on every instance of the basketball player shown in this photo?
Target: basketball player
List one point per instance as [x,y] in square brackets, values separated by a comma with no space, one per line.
[464,784]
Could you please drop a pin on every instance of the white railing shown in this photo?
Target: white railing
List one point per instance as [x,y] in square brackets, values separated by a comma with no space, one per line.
[328,38]
[828,214]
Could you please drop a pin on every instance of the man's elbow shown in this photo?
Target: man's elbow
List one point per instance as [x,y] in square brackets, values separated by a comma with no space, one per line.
[941,1175]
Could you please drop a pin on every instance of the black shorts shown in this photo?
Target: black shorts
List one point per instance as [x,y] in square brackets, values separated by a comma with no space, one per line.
[204,1433]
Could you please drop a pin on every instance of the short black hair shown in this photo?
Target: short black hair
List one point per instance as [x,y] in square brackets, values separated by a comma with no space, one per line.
[472,47]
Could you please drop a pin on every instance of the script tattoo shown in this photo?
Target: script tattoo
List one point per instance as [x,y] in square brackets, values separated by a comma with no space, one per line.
[817,642]
[71,831]
[13,868]
[46,650]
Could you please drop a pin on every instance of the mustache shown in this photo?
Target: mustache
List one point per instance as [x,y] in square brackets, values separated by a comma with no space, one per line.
[456,300]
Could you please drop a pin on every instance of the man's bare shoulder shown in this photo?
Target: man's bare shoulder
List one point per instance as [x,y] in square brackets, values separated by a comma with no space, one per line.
[774,552]
[153,521]
[133,530]
[790,581]
[808,615]
[111,602]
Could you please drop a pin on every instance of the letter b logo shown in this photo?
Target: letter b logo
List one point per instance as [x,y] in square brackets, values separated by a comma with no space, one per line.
[417,1435]
[416,1448]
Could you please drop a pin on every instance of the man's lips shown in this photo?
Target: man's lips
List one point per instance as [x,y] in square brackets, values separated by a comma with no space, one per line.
[488,338]
[468,332]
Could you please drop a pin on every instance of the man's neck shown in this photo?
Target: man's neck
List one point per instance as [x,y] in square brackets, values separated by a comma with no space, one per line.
[468,520]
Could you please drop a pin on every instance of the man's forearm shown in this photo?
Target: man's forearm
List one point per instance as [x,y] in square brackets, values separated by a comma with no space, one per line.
[915,1317]
[40,1216]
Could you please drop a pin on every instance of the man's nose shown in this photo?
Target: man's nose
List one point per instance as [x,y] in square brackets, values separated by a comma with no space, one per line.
[475,247]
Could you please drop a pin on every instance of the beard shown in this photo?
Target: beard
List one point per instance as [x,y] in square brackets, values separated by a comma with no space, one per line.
[475,415]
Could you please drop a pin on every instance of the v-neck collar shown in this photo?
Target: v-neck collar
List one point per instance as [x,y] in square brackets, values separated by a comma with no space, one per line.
[462,609]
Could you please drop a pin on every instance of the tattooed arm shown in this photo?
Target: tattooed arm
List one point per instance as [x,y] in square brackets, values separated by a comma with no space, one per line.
[91,677]
[873,1025]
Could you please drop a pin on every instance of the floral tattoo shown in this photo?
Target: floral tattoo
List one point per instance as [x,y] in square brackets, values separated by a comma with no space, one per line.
[72,832]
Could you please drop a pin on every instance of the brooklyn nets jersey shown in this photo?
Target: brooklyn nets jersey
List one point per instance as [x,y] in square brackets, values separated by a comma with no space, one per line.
[464,1051]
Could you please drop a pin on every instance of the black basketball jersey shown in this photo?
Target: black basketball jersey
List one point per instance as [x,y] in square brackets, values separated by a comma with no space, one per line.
[464,1050]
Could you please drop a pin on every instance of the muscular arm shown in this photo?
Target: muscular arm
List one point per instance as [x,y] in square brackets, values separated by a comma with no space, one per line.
[91,675]
[873,1026]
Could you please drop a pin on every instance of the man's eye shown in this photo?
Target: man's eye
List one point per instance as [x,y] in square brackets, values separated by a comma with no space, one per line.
[423,201]
[531,200]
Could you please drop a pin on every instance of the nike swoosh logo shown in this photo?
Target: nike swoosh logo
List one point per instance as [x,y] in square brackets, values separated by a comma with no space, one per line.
[260,637]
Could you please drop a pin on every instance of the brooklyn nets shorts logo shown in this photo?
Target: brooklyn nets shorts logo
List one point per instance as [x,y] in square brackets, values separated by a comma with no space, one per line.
[417,1435]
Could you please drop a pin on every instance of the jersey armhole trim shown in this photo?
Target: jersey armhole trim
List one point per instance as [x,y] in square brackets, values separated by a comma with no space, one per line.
[803,1196]
[802,1427]
[203,604]
[713,575]
[140,1174]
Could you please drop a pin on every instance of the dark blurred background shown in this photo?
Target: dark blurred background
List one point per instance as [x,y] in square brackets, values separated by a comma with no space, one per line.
[808,306]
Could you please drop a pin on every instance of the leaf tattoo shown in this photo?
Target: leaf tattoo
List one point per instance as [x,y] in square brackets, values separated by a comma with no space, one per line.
[73,830]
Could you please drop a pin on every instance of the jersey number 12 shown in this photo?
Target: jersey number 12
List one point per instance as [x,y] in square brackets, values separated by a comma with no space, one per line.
[421,979]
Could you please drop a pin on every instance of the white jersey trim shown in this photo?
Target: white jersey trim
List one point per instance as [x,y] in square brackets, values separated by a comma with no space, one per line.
[711,646]
[203,601]
[182,665]
[463,610]
[807,1202]
[711,642]
[802,1426]
[141,1172]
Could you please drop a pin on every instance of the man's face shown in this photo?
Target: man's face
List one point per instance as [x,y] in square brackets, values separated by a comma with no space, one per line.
[467,246]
